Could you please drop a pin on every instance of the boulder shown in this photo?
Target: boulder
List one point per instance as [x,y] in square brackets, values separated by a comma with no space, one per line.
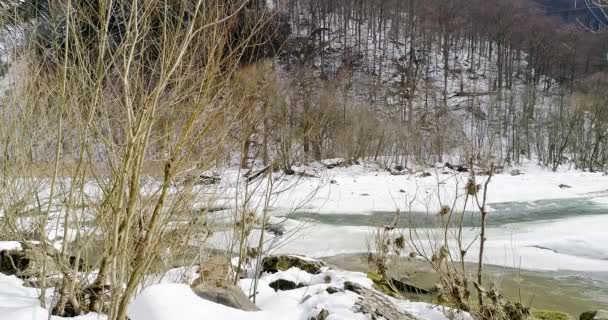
[564,186]
[214,271]
[375,304]
[594,315]
[273,264]
[425,174]
[229,295]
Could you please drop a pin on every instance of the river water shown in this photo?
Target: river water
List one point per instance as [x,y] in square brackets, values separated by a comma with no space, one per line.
[556,248]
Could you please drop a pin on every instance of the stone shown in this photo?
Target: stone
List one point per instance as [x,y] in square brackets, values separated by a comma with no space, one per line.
[594,315]
[284,285]
[333,182]
[516,172]
[406,287]
[215,271]
[26,263]
[323,314]
[564,186]
[375,304]
[425,174]
[276,229]
[273,264]
[13,262]
[229,295]
[332,290]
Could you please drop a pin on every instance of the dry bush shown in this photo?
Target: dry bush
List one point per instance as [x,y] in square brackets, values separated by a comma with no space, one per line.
[102,129]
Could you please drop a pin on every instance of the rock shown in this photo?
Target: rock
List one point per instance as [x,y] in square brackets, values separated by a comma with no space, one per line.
[333,182]
[401,190]
[203,179]
[272,264]
[516,172]
[214,271]
[276,229]
[376,305]
[323,314]
[564,186]
[13,262]
[332,290]
[26,263]
[425,174]
[230,296]
[284,285]
[364,194]
[394,172]
[406,287]
[594,315]
[461,168]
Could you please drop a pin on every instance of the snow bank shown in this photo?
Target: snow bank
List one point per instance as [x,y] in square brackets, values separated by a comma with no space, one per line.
[21,303]
[367,188]
[179,302]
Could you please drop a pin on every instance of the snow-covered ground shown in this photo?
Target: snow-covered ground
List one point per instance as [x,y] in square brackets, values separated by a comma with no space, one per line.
[569,241]
[172,299]
[364,189]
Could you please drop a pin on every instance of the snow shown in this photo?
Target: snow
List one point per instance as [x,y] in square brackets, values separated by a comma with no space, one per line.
[21,303]
[362,191]
[179,302]
[10,245]
[167,300]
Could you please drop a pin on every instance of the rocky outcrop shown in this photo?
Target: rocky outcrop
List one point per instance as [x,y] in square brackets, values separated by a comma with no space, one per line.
[273,264]
[376,305]
[229,295]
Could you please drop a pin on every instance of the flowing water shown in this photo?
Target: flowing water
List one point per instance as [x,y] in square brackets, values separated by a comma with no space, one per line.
[555,250]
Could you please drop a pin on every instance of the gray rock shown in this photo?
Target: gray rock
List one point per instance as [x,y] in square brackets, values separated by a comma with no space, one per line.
[332,290]
[375,304]
[403,286]
[516,172]
[323,314]
[26,263]
[594,315]
[564,186]
[284,285]
[276,229]
[272,264]
[230,296]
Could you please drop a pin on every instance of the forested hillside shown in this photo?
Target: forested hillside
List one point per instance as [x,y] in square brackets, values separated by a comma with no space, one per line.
[486,79]
[414,81]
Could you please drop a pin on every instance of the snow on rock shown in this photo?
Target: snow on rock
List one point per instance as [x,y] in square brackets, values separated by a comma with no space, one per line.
[322,293]
[178,302]
[21,303]
[10,245]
